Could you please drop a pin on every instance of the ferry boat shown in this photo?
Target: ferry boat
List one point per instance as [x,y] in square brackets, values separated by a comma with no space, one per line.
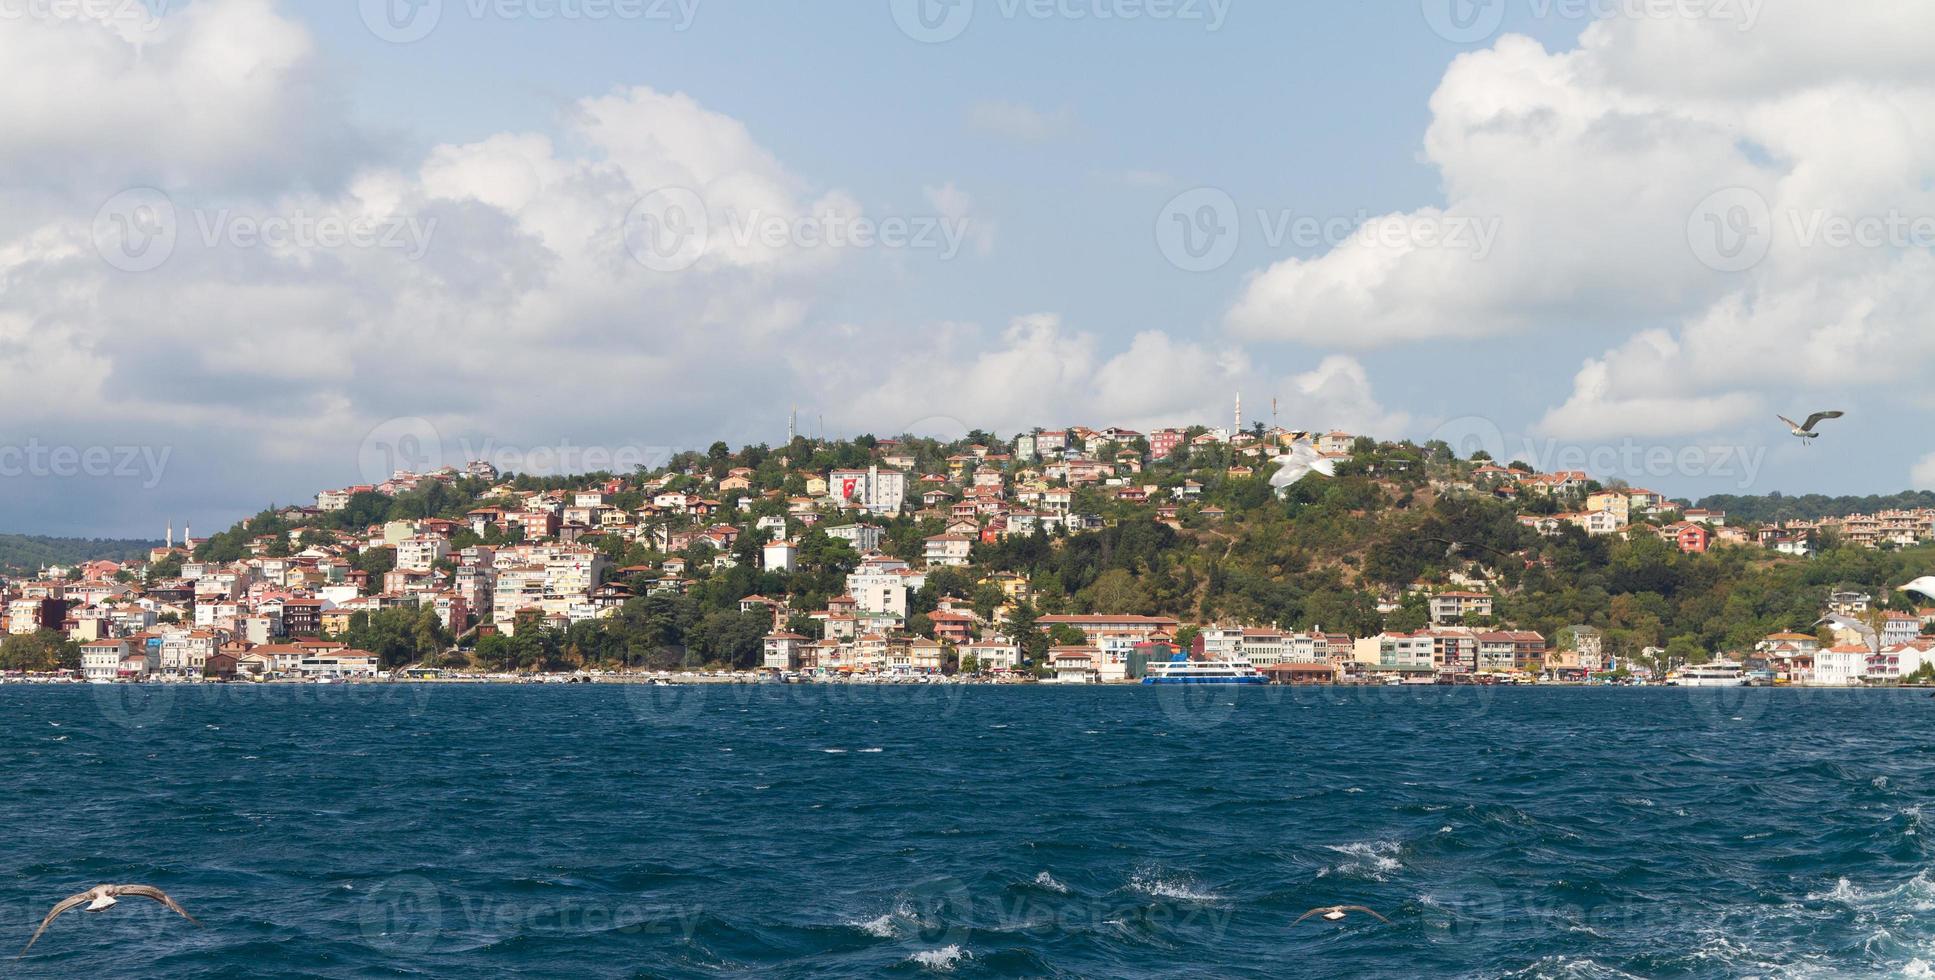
[1720,673]
[1182,670]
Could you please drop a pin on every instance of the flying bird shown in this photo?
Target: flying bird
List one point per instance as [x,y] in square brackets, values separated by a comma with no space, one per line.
[1302,460]
[1805,431]
[1924,587]
[100,898]
[1333,913]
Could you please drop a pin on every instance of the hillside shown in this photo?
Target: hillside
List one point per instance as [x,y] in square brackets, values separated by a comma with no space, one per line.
[1777,506]
[1211,542]
[31,552]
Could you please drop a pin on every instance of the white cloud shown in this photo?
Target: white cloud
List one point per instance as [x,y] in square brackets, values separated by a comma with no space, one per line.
[1596,161]
[1038,372]
[1922,477]
[1020,121]
[1641,390]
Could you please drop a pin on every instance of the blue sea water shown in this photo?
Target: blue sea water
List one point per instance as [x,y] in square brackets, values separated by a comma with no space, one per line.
[598,831]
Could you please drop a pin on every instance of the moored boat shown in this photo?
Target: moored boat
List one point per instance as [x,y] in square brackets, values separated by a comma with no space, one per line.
[1182,670]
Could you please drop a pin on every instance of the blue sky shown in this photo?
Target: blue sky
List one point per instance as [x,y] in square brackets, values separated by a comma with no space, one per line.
[1593,332]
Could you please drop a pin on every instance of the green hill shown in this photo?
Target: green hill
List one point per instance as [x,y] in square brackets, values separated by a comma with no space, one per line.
[30,552]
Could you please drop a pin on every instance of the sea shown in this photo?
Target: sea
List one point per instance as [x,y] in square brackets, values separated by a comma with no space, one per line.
[403,830]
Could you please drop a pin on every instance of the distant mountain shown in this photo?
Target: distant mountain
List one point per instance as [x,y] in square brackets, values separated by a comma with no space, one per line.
[1777,506]
[29,552]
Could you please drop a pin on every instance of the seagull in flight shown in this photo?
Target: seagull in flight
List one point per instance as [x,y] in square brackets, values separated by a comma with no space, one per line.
[1805,431]
[100,898]
[1302,460]
[1332,913]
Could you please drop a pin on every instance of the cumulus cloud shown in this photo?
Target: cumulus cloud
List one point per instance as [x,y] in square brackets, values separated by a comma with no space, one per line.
[1037,371]
[494,288]
[1755,191]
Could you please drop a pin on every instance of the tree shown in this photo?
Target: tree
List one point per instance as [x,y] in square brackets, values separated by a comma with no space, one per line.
[40,652]
[1685,649]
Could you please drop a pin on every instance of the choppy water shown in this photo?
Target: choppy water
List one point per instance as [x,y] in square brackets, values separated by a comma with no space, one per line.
[812,831]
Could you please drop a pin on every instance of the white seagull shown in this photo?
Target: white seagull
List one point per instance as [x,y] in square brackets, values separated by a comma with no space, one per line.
[1924,587]
[100,898]
[1805,431]
[1302,460]
[1333,913]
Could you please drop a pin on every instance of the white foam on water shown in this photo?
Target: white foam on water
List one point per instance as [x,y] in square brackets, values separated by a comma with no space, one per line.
[871,751]
[1177,887]
[1376,860]
[1047,882]
[834,751]
[1570,968]
[881,927]
[940,960]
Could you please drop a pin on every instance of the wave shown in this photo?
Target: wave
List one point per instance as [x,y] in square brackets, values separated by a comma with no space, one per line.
[880,927]
[1376,860]
[1046,882]
[1177,887]
[942,960]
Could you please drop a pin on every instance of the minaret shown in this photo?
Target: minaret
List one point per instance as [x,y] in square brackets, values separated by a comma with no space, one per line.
[187,534]
[171,534]
[793,426]
[1239,414]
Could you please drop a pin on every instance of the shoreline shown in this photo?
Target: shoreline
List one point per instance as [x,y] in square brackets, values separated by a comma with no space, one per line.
[565,680]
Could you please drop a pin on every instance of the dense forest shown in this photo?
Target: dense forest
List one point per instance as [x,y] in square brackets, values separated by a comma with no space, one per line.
[1777,506]
[32,552]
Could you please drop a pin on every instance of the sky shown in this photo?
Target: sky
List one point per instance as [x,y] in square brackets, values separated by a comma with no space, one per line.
[251,249]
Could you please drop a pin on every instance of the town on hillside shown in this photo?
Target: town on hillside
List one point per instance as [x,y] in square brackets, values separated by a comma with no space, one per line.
[1072,555]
